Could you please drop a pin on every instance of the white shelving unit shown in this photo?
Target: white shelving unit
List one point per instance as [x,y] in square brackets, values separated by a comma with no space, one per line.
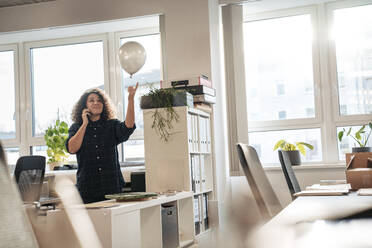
[131,224]
[184,162]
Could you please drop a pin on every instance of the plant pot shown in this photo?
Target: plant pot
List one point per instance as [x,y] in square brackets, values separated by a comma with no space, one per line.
[294,157]
[55,164]
[179,99]
[361,149]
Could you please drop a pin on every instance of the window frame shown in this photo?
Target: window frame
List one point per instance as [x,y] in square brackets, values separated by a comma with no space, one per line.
[22,41]
[255,126]
[325,80]
[137,134]
[39,140]
[15,142]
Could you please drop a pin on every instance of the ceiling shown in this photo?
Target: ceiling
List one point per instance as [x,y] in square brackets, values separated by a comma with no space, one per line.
[9,3]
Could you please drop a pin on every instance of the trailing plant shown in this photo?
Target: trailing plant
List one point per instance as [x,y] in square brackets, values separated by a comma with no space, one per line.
[360,136]
[163,121]
[286,146]
[55,138]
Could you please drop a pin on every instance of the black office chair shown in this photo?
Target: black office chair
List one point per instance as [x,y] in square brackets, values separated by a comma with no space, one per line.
[288,172]
[29,175]
[262,190]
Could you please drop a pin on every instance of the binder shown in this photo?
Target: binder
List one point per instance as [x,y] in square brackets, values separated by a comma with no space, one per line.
[203,176]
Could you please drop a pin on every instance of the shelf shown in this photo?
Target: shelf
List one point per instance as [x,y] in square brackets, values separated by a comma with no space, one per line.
[202,153]
[203,192]
[185,243]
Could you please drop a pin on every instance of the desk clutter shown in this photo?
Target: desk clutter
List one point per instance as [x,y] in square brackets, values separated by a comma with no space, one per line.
[327,190]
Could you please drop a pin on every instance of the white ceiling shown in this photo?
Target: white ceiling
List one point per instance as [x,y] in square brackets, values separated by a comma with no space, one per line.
[9,3]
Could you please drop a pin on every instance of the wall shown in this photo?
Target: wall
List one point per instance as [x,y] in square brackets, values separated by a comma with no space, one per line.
[186,25]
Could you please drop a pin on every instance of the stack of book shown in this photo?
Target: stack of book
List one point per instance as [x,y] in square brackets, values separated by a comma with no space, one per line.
[200,87]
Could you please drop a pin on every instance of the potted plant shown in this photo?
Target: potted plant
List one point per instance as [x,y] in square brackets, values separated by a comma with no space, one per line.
[55,138]
[293,150]
[360,136]
[167,99]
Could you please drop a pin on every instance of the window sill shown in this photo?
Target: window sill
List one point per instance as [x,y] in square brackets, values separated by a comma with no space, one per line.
[308,167]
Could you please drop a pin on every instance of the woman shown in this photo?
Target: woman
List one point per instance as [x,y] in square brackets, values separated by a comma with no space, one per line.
[94,137]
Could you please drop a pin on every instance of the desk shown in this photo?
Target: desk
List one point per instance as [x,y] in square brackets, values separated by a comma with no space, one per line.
[296,225]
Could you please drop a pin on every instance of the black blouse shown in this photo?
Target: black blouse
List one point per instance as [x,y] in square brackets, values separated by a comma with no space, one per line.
[99,171]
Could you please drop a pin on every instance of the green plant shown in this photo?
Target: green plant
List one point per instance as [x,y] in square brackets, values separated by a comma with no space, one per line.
[55,138]
[163,122]
[359,135]
[286,146]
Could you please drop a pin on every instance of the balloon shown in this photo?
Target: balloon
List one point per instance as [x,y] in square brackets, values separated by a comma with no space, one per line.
[132,57]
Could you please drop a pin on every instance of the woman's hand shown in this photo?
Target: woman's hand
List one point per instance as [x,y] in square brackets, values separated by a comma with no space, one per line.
[84,116]
[132,91]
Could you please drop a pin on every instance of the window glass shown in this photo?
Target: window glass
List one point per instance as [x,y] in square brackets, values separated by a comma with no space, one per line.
[134,150]
[353,40]
[348,142]
[264,143]
[42,151]
[148,77]
[60,75]
[7,95]
[278,65]
[12,155]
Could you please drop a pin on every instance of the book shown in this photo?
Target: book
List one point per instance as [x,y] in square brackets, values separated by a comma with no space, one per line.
[206,107]
[204,98]
[197,89]
[200,80]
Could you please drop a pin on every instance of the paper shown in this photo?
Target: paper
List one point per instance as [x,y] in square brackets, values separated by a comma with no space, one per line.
[332,182]
[321,192]
[345,186]
[365,191]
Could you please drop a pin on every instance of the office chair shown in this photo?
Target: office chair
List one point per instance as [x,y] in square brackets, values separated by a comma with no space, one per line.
[289,174]
[263,193]
[29,175]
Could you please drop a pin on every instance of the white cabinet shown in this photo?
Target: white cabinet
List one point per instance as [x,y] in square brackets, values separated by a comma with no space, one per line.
[184,162]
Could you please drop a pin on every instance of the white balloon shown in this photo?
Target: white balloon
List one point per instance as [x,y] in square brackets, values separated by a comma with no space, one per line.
[132,57]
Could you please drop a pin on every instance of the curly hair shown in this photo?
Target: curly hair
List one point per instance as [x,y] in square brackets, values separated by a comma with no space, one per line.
[108,111]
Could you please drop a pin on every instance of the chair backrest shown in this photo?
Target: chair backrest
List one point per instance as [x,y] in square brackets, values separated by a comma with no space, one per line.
[288,172]
[262,190]
[29,175]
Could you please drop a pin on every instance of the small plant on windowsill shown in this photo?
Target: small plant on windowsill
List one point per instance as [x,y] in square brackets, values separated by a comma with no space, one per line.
[167,99]
[360,136]
[293,150]
[55,138]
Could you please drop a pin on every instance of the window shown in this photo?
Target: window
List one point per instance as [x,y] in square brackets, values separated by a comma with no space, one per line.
[280,89]
[348,142]
[59,65]
[279,48]
[59,76]
[282,115]
[148,77]
[284,46]
[7,96]
[353,39]
[266,141]
[12,155]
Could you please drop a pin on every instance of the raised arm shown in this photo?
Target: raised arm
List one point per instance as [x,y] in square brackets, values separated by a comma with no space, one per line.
[130,118]
[75,142]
